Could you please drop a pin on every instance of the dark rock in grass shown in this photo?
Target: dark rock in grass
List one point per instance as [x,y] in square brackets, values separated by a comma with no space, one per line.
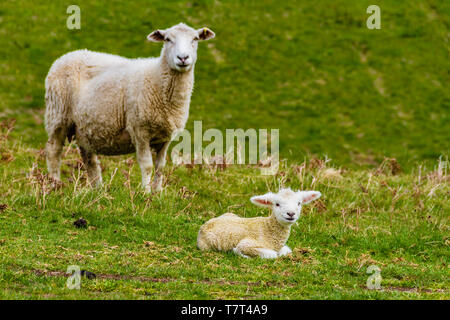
[80,223]
[88,274]
[3,207]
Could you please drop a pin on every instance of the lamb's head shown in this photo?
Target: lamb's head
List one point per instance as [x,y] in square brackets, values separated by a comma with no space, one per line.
[286,205]
[180,45]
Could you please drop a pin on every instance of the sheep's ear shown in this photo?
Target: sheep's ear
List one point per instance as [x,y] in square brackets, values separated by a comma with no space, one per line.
[263,201]
[308,196]
[156,36]
[205,34]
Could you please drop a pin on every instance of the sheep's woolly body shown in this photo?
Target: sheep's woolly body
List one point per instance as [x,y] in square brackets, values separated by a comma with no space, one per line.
[114,105]
[225,232]
[104,97]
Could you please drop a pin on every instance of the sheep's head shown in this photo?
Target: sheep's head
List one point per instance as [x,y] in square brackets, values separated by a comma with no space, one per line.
[286,205]
[180,45]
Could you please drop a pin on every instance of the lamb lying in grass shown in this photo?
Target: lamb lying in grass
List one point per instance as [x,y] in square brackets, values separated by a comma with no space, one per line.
[262,236]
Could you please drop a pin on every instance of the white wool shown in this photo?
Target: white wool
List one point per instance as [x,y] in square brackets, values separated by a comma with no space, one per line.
[115,105]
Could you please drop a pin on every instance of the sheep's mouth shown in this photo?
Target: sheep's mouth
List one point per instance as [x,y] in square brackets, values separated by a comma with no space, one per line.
[182,65]
[290,218]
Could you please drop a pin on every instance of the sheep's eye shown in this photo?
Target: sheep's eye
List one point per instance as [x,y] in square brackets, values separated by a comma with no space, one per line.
[277,204]
[167,40]
[299,204]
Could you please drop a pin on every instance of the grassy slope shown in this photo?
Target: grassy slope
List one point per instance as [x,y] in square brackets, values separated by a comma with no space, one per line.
[397,222]
[310,69]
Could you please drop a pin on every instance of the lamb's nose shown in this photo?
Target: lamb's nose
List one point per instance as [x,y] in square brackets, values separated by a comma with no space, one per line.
[183,58]
[291,214]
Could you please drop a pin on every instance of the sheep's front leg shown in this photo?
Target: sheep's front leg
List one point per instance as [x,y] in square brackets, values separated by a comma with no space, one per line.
[160,162]
[92,166]
[250,247]
[284,251]
[144,158]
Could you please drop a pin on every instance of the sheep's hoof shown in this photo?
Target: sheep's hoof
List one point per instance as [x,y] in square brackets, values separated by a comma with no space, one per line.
[56,183]
[148,190]
[157,187]
[97,184]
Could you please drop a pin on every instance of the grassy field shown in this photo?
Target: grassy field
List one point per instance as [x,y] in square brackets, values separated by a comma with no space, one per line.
[373,101]
[144,247]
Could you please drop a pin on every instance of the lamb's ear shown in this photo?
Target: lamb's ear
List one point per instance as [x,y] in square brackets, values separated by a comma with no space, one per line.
[205,34]
[156,36]
[308,196]
[263,201]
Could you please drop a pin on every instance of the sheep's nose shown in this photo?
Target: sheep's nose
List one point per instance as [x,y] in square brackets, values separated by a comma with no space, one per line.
[183,58]
[291,214]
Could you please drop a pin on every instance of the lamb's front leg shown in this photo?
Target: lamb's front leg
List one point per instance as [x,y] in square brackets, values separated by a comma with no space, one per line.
[144,158]
[284,251]
[249,247]
[160,162]
[267,253]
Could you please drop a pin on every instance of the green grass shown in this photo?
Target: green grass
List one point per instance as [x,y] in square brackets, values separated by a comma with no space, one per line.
[144,246]
[312,70]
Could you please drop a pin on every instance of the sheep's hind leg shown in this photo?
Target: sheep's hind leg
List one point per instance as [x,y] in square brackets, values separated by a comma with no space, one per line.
[144,158]
[53,150]
[160,162]
[92,165]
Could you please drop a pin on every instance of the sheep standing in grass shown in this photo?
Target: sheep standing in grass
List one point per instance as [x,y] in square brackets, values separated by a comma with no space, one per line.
[114,105]
[262,236]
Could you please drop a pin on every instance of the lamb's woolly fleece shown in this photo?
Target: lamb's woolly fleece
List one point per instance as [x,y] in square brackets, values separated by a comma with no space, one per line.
[225,232]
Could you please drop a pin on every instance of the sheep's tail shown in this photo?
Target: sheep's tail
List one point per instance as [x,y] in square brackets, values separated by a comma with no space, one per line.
[58,101]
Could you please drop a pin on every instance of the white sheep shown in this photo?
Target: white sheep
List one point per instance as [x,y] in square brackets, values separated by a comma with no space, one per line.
[262,236]
[114,105]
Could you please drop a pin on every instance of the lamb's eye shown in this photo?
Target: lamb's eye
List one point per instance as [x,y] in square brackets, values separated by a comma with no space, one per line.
[299,204]
[277,204]
[167,40]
